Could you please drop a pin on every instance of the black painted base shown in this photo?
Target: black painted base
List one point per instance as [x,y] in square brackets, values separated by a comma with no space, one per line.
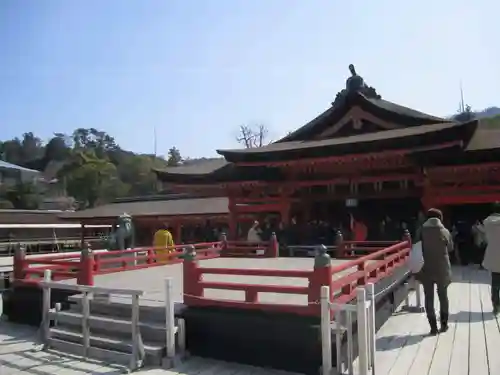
[23,304]
[280,341]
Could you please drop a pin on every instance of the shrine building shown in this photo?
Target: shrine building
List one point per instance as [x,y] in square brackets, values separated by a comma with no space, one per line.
[363,154]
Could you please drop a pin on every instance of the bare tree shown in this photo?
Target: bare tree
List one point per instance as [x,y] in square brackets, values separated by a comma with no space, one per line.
[253,136]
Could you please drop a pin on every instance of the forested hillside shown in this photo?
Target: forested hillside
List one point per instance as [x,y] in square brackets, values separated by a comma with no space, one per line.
[88,165]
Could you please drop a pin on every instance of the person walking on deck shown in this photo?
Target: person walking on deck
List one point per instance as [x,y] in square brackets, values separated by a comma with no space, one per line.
[436,246]
[491,260]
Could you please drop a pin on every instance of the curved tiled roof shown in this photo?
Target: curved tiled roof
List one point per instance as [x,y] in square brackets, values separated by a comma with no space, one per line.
[170,207]
[369,142]
[379,107]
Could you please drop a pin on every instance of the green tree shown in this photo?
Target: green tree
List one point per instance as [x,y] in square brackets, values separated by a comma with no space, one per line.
[31,148]
[174,157]
[57,149]
[24,195]
[11,151]
[88,164]
[90,179]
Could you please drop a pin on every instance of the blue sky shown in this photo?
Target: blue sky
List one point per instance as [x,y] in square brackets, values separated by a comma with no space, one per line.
[197,69]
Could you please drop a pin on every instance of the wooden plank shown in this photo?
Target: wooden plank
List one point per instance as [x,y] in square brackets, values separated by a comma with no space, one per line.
[491,326]
[18,356]
[478,358]
[410,349]
[424,347]
[442,355]
[459,363]
[391,337]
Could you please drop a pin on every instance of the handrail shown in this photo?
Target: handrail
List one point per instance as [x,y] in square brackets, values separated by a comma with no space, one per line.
[364,311]
[363,308]
[353,263]
[386,260]
[138,352]
[86,264]
[90,289]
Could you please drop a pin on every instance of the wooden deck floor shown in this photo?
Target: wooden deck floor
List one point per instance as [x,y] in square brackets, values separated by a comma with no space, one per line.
[20,355]
[470,347]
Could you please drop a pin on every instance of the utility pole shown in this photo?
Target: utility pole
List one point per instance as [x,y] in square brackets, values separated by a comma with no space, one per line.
[154,140]
[462,102]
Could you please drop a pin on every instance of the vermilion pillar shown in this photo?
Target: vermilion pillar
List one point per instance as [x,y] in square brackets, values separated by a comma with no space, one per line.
[233,219]
[285,210]
[177,232]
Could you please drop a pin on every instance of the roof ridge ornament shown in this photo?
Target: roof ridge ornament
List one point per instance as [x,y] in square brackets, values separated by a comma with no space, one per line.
[355,84]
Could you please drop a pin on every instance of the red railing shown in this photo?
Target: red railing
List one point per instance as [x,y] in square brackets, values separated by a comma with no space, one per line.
[85,265]
[245,249]
[354,249]
[368,268]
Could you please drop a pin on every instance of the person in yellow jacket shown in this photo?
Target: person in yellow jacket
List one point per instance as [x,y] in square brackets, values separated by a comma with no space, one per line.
[163,244]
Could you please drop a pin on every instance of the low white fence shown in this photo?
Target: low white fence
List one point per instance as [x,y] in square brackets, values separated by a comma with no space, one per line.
[138,354]
[363,310]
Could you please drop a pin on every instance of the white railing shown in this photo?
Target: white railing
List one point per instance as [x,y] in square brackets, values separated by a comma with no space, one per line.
[88,292]
[364,311]
[414,285]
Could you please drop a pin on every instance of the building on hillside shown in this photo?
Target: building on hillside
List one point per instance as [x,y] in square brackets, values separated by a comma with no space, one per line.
[364,155]
[11,174]
[51,191]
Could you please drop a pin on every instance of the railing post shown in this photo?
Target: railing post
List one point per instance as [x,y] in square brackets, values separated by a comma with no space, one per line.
[85,323]
[362,279]
[418,295]
[273,247]
[46,297]
[340,244]
[322,276]
[372,329]
[223,245]
[190,274]
[19,262]
[326,332]
[137,348]
[362,320]
[86,271]
[169,319]
[151,256]
[407,237]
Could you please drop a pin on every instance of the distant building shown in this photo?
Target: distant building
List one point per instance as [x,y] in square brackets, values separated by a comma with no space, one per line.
[11,174]
[52,192]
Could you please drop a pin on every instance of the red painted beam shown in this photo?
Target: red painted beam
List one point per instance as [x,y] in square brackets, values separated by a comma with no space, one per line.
[465,199]
[462,168]
[271,207]
[352,157]
[460,190]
